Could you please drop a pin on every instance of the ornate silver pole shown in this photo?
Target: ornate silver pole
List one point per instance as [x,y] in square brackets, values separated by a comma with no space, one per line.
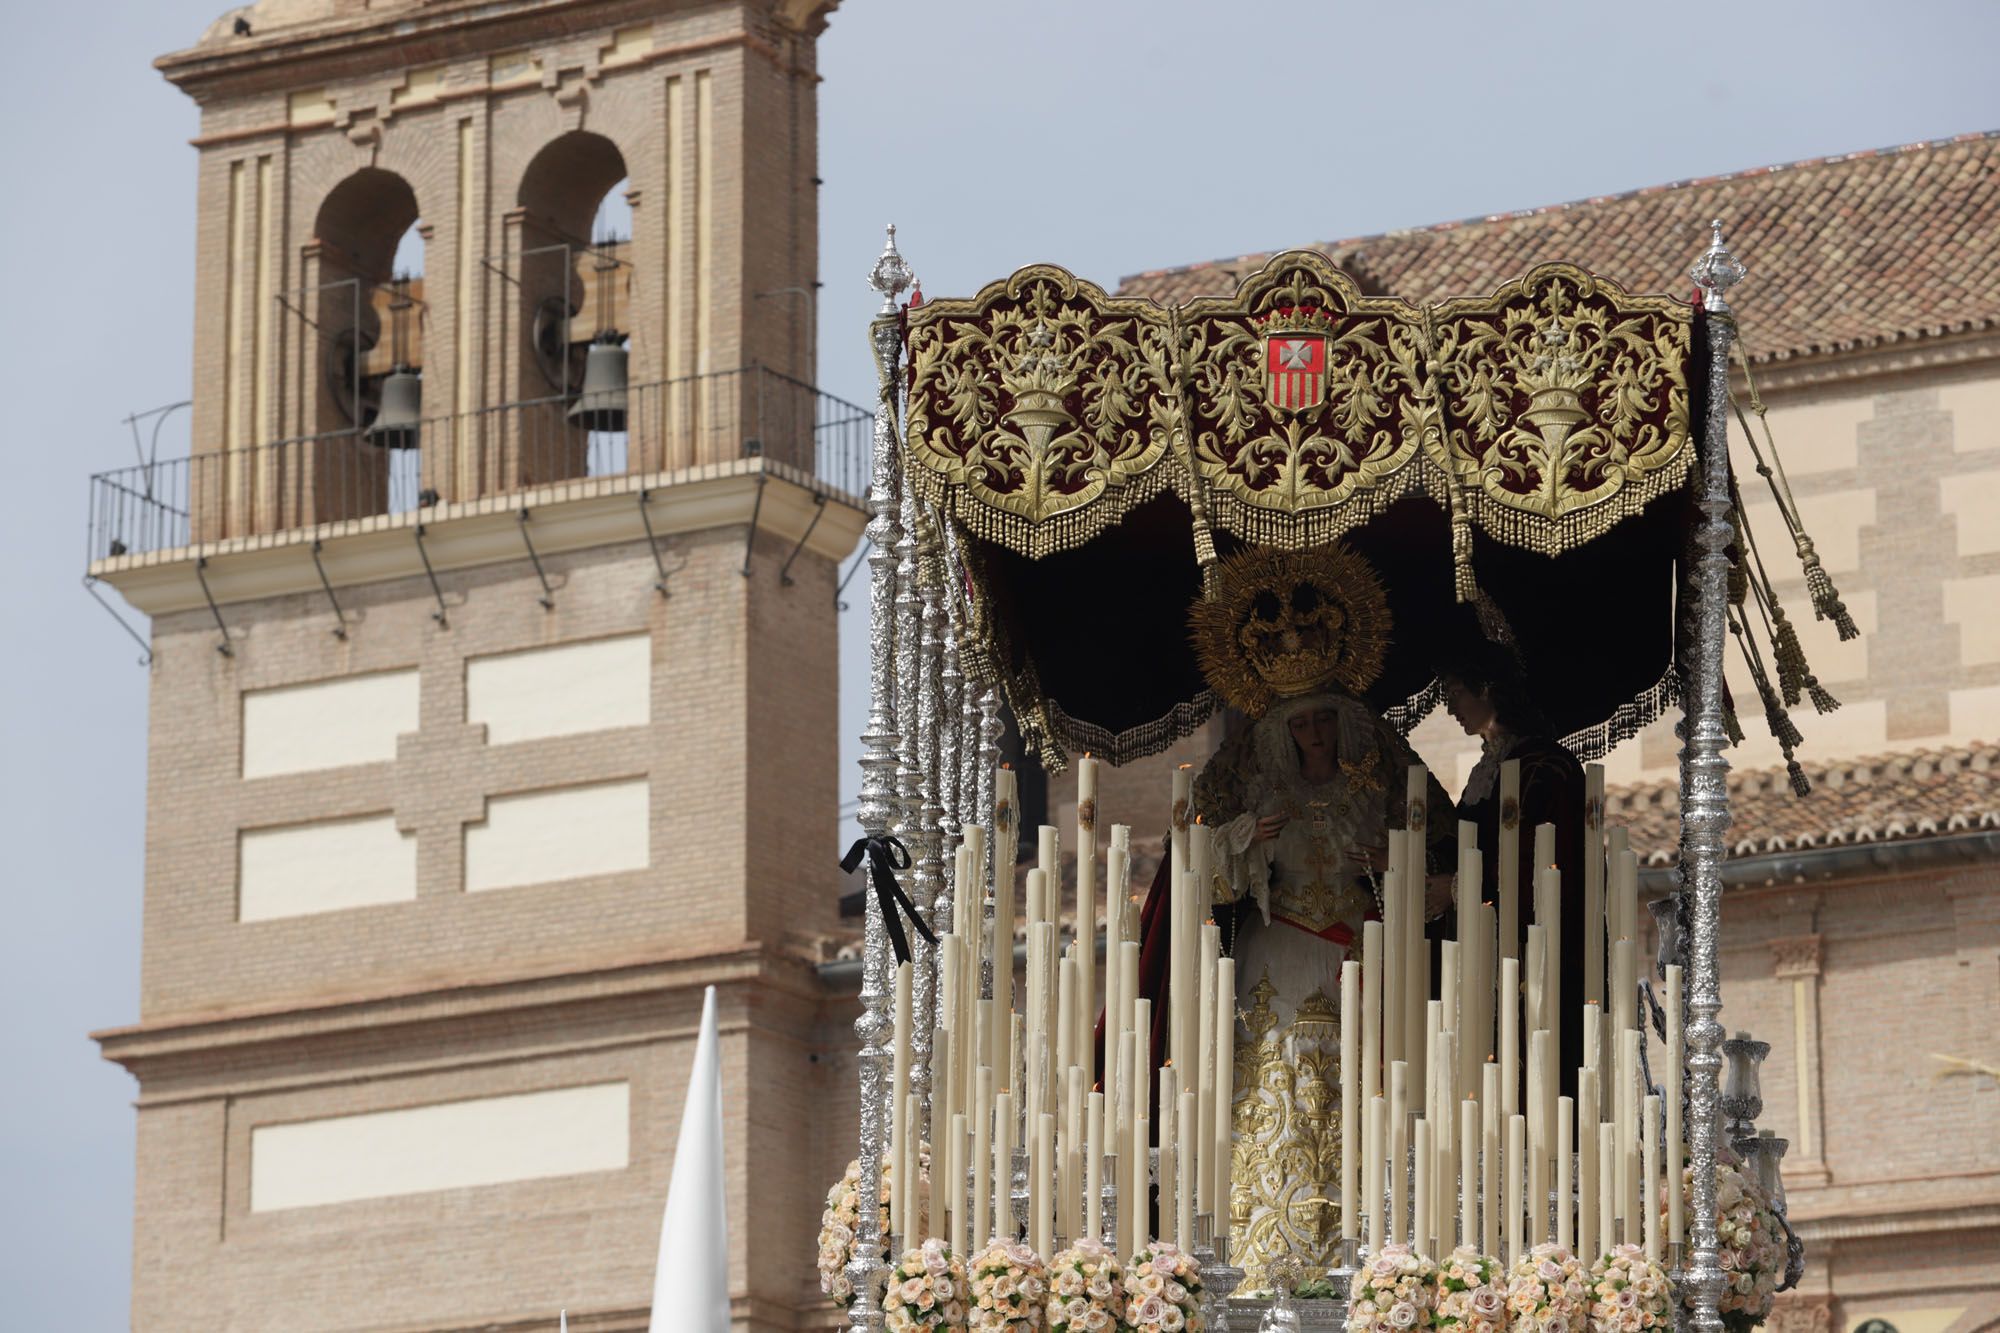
[990,730]
[927,852]
[890,277]
[1705,786]
[909,787]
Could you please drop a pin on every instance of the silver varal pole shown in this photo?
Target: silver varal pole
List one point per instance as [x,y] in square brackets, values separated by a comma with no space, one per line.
[990,729]
[927,851]
[1705,787]
[879,807]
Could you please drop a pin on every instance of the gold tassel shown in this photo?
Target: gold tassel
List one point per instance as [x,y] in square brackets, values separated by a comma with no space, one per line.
[1781,724]
[1825,598]
[1788,656]
[1800,786]
[1821,700]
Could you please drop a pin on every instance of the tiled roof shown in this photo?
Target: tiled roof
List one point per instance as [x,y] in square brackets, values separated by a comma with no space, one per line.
[1916,794]
[1844,252]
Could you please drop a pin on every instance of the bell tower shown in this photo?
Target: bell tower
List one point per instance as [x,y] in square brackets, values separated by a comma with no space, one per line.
[492,699]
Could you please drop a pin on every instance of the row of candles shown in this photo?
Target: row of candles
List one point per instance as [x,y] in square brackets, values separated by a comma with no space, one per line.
[1434,1084]
[1015,1073]
[1441,1145]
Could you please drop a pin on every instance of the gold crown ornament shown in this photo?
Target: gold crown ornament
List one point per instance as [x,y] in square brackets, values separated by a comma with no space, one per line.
[1279,624]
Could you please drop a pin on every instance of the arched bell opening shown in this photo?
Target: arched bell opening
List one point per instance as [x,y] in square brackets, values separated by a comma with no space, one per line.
[361,342]
[574,284]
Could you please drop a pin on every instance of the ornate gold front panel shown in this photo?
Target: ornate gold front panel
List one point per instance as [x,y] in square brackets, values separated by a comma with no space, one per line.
[1286,1154]
[1042,410]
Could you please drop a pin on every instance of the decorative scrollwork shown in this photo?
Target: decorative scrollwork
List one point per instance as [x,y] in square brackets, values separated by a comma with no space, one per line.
[1566,404]
[1034,399]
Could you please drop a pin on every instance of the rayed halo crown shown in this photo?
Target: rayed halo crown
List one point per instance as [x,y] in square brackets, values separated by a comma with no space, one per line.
[1278,624]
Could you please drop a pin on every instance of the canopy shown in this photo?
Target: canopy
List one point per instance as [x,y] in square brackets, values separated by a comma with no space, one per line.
[1513,464]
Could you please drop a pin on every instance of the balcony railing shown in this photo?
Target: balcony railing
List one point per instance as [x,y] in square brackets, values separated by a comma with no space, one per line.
[525,446]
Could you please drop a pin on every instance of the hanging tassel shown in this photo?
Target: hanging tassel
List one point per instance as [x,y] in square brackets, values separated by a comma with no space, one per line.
[1800,786]
[1731,723]
[1821,700]
[1781,724]
[1739,577]
[1825,599]
[1463,582]
[1788,656]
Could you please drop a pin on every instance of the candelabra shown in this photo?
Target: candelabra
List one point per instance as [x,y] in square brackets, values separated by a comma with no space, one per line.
[1742,1092]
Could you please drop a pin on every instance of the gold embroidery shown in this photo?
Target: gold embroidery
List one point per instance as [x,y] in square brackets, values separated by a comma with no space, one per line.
[1286,1121]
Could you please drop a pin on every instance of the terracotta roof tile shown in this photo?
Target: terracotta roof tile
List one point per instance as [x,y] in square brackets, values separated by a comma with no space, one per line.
[1915,794]
[1844,252]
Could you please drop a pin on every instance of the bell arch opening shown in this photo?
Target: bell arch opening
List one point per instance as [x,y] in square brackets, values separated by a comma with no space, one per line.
[367,293]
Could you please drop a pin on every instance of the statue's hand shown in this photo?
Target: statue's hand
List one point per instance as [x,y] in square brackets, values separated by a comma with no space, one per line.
[1269,827]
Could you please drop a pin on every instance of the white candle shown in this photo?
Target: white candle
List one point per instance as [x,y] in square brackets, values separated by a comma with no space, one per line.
[1399,1149]
[1649,1174]
[1186,1123]
[1628,892]
[1565,1170]
[1510,1028]
[1225,1088]
[1510,859]
[1046,902]
[1371,1011]
[1468,1166]
[1204,1069]
[982,1155]
[1624,986]
[914,1232]
[1132,1208]
[1395,975]
[1534,970]
[1169,1136]
[1373,1165]
[1093,1168]
[1552,950]
[1042,1197]
[1517,1132]
[1616,843]
[1628,1133]
[1034,1016]
[1066,1006]
[1421,1238]
[1586,1160]
[1489,1166]
[1350,1095]
[1416,953]
[1538,1141]
[1002,948]
[1676,1062]
[1072,1155]
[1607,1179]
[954,1180]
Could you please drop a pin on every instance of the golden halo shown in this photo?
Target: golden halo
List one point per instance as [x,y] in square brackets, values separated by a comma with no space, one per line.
[1278,624]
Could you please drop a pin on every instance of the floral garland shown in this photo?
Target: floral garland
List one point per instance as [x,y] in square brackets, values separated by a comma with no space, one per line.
[1086,1289]
[1470,1294]
[842,1219]
[1163,1291]
[1008,1285]
[1629,1293]
[1749,1241]
[926,1289]
[1395,1292]
[1548,1292]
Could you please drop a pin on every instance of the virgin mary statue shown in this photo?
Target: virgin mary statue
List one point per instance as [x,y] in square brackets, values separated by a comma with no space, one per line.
[1301,801]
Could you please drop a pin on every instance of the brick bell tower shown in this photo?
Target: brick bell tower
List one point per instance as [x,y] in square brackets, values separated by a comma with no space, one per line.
[493,698]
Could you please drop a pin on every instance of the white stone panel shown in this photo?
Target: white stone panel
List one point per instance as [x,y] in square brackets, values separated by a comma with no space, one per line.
[1975,714]
[1974,606]
[1975,414]
[300,869]
[561,691]
[328,723]
[1812,437]
[1973,499]
[1834,522]
[452,1145]
[539,837]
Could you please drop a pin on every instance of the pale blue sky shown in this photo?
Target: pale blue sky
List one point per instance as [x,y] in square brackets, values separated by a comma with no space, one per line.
[1109,137]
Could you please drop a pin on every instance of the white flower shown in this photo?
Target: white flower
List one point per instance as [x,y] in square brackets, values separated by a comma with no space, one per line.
[1403,1314]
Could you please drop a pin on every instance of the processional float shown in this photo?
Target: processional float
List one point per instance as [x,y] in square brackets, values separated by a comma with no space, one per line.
[1059,475]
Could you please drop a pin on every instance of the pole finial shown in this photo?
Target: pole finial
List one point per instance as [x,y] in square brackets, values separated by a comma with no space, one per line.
[1716,271]
[891,276]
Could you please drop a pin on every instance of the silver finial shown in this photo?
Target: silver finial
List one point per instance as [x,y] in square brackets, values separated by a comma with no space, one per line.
[1716,271]
[891,276]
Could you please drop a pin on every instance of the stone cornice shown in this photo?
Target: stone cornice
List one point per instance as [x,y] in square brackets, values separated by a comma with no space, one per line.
[1891,358]
[568,516]
[298,1043]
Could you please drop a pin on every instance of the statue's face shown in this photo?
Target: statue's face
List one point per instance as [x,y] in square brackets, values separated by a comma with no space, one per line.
[1313,731]
[1473,708]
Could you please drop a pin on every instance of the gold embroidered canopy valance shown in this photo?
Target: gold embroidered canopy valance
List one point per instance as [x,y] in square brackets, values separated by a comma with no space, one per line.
[1043,411]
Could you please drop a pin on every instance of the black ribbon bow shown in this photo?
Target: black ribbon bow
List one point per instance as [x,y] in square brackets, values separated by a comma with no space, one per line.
[887,855]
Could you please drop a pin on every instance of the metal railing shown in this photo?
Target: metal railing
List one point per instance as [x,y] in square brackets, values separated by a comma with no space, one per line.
[517,447]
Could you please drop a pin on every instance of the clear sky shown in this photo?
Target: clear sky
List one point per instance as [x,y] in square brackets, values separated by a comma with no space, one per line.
[1109,137]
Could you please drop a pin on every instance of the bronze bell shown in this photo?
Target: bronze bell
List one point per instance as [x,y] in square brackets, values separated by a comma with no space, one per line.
[601,404]
[401,413]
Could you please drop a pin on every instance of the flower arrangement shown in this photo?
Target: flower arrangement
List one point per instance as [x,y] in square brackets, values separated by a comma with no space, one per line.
[1395,1292]
[842,1218]
[1086,1289]
[1548,1292]
[926,1289]
[1469,1294]
[1163,1291]
[1008,1287]
[1750,1242]
[1629,1293]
